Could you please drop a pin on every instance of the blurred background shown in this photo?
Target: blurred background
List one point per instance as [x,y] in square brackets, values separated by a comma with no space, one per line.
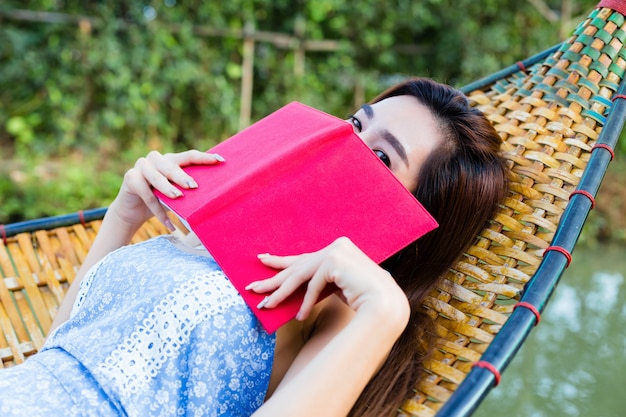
[88,87]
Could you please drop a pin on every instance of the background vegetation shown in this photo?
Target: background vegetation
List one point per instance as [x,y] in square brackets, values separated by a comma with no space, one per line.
[87,87]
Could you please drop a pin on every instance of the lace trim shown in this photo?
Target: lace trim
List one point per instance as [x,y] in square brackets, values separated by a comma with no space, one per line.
[83,289]
[138,358]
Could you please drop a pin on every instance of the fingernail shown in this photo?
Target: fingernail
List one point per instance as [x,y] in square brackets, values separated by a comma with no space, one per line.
[176,193]
[170,225]
[218,157]
[192,184]
[250,286]
[263,255]
[263,302]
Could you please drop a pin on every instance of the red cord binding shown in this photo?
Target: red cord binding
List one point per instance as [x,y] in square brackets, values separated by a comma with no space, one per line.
[486,365]
[81,217]
[618,96]
[530,307]
[3,232]
[521,65]
[604,146]
[586,194]
[563,251]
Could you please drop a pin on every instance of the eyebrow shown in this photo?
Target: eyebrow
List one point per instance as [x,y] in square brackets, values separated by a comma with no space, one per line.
[388,136]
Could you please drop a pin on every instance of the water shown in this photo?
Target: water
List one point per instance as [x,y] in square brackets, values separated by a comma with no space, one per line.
[574,363]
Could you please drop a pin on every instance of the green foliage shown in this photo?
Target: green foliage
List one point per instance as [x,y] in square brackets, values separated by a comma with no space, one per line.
[134,75]
[140,70]
[46,188]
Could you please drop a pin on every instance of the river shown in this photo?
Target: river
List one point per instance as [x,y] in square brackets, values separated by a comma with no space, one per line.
[574,363]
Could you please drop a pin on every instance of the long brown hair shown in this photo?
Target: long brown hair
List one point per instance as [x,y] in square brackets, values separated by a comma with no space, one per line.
[460,184]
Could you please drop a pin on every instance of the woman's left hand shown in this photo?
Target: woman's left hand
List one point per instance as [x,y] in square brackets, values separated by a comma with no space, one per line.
[336,362]
[362,283]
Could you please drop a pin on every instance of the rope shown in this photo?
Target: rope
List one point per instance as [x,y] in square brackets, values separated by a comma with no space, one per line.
[81,217]
[605,147]
[488,366]
[530,307]
[562,251]
[586,194]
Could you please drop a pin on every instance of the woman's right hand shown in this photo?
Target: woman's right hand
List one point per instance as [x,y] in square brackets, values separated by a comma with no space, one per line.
[136,202]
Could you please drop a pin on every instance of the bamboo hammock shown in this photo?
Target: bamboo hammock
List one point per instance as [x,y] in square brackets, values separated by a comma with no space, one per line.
[559,114]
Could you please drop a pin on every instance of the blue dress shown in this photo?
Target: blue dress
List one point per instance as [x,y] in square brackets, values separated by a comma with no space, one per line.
[155,331]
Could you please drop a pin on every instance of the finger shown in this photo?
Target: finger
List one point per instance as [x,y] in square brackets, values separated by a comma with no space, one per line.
[143,190]
[292,281]
[269,284]
[314,288]
[159,169]
[195,157]
[148,170]
[279,262]
[172,166]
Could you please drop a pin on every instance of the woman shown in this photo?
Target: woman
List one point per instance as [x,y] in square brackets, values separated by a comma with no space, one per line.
[156,329]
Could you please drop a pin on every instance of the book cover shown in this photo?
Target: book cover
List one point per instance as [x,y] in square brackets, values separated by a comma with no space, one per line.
[293,183]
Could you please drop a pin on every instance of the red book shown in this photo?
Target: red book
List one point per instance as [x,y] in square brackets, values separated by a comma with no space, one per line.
[292,183]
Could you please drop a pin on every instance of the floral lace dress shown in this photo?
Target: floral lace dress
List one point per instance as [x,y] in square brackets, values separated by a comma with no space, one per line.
[155,331]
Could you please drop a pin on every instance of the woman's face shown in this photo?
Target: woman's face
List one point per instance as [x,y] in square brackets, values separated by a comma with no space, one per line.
[401,131]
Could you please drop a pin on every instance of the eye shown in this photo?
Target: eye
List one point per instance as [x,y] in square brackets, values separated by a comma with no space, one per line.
[383,157]
[356,123]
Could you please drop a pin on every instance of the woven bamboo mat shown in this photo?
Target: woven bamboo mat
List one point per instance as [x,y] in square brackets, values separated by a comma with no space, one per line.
[549,118]
[36,270]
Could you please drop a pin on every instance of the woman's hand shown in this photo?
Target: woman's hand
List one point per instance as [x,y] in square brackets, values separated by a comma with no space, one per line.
[336,362]
[136,202]
[363,284]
